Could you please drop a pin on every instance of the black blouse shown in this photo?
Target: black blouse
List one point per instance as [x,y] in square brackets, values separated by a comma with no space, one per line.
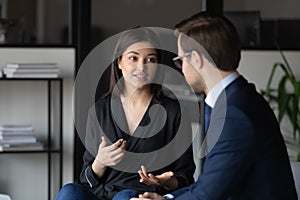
[152,144]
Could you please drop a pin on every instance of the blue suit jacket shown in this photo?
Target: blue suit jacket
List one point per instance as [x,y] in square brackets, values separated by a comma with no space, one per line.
[247,157]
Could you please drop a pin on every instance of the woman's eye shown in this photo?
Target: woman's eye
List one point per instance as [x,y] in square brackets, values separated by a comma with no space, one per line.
[133,58]
[152,60]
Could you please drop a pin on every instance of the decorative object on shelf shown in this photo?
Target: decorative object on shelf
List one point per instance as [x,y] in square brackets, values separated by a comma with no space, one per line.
[31,70]
[286,97]
[37,146]
[18,137]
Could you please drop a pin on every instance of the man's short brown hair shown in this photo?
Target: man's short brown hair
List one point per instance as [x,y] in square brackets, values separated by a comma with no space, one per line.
[216,34]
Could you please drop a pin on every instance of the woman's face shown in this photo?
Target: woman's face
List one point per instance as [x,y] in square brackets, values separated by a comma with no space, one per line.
[138,64]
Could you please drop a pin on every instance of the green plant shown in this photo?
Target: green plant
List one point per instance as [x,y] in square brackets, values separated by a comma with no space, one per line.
[286,95]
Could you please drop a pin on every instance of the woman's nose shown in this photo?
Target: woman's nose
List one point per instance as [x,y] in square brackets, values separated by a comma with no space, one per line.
[141,64]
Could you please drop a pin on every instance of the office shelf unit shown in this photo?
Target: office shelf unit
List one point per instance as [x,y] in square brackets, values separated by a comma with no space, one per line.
[53,139]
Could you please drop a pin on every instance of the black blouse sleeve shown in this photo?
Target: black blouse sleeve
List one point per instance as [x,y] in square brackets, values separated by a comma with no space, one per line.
[87,176]
[184,166]
[92,141]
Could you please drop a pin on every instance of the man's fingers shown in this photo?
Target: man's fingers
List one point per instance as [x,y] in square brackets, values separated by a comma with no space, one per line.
[150,195]
[140,198]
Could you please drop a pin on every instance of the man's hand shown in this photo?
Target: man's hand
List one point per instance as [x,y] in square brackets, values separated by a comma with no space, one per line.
[149,196]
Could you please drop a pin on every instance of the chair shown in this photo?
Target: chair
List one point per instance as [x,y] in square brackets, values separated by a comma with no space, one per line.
[296,173]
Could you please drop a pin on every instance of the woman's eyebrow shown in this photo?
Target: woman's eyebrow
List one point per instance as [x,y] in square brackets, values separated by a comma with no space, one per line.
[134,52]
[152,54]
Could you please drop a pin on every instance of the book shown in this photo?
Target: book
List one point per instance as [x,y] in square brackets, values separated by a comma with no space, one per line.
[30,70]
[31,65]
[16,133]
[31,75]
[22,147]
[16,127]
[17,139]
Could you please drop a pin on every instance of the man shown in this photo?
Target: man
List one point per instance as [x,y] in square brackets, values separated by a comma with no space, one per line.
[246,155]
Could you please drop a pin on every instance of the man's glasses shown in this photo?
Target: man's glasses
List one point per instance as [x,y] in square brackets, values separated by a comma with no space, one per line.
[178,60]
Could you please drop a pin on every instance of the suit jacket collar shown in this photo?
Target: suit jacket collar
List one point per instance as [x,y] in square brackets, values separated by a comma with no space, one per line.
[215,92]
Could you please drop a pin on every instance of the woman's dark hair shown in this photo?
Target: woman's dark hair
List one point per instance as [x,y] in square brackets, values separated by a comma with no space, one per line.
[127,38]
[216,34]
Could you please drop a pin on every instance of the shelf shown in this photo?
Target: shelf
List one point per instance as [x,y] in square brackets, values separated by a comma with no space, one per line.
[31,151]
[29,79]
[52,132]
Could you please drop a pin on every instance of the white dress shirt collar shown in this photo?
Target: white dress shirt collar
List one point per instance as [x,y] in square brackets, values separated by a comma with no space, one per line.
[214,93]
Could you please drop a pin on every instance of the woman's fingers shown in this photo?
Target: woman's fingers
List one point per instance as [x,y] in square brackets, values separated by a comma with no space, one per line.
[144,170]
[112,154]
[166,175]
[103,142]
[148,179]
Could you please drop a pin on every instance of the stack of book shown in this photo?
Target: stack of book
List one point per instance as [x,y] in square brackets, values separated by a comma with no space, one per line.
[18,138]
[31,70]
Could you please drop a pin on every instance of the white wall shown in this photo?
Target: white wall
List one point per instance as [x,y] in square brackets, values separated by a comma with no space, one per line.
[24,176]
[256,66]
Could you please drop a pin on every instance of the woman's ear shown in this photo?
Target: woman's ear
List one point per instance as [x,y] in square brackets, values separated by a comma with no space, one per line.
[119,65]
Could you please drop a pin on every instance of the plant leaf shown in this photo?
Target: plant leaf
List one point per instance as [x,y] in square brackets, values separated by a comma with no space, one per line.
[289,69]
[283,98]
[287,103]
[296,107]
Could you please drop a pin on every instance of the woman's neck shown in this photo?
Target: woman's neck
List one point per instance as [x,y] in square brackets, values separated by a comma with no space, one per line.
[137,96]
[135,104]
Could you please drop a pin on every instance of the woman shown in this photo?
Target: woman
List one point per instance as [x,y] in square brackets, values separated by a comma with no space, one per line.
[130,117]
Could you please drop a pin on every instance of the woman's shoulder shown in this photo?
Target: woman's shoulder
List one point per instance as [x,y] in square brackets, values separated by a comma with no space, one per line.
[103,101]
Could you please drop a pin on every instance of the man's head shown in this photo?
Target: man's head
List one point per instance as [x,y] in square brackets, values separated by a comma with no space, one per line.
[216,34]
[211,45]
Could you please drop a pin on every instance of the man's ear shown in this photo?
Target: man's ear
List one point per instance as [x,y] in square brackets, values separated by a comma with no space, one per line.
[196,59]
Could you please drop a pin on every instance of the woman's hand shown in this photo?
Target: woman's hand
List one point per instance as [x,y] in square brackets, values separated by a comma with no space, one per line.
[167,179]
[108,155]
